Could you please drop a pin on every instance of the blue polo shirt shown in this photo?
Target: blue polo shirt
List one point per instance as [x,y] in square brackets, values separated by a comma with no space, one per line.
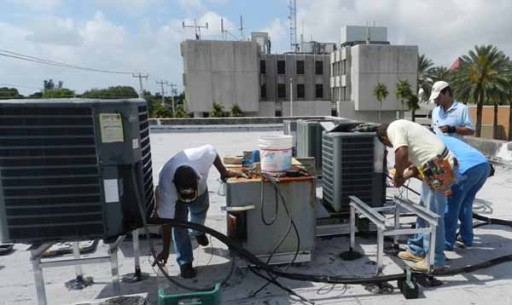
[467,156]
[456,115]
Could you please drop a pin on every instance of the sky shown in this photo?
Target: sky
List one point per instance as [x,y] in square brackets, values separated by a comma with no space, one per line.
[126,37]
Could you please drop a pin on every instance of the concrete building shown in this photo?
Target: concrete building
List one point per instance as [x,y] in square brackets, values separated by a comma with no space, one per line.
[327,80]
[224,72]
[247,74]
[365,59]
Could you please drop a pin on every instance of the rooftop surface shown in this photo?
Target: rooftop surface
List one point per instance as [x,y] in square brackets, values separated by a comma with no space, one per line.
[484,286]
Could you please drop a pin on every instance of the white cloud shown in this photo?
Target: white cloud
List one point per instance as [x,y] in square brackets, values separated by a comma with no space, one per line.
[443,29]
[133,7]
[278,33]
[53,30]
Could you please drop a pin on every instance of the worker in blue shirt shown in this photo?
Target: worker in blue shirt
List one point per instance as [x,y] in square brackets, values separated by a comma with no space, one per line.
[473,172]
[449,117]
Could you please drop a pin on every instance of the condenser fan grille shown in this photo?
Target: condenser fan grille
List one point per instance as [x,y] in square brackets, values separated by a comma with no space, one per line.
[49,172]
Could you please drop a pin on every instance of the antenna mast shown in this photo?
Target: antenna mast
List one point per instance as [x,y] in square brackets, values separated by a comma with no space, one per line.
[197,28]
[293,25]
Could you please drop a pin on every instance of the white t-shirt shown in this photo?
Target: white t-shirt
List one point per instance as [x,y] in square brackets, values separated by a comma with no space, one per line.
[200,159]
[422,144]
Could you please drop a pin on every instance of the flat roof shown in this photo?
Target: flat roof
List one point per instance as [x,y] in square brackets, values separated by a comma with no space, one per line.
[484,286]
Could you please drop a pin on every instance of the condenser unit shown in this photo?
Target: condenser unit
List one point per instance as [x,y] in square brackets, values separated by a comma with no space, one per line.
[353,165]
[290,129]
[309,137]
[73,169]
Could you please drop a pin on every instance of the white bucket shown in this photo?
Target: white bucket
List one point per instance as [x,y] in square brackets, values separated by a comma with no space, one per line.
[275,153]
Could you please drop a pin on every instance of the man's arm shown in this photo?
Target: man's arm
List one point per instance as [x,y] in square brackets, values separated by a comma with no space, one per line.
[166,240]
[401,163]
[224,173]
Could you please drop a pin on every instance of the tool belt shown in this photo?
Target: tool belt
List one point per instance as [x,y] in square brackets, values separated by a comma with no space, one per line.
[438,172]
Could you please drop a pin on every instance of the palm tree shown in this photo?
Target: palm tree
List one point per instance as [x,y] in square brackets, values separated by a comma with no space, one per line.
[439,73]
[380,92]
[403,93]
[483,75]
[425,65]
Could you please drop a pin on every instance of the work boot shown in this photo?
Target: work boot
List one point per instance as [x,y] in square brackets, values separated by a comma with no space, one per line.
[187,271]
[202,240]
[408,256]
[422,266]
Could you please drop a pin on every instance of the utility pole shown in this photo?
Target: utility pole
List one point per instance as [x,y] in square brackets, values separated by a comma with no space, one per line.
[162,83]
[291,97]
[173,92]
[140,76]
[197,28]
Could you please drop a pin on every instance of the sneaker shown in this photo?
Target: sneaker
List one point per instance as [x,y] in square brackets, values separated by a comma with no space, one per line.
[202,240]
[422,266]
[461,244]
[187,271]
[408,256]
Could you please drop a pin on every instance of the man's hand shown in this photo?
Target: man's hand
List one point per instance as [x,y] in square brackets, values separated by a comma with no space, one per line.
[398,180]
[162,257]
[448,129]
[228,174]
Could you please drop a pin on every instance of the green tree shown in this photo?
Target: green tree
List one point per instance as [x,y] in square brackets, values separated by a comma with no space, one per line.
[439,73]
[217,111]
[59,93]
[381,93]
[403,93]
[180,110]
[236,111]
[483,75]
[117,92]
[425,66]
[9,93]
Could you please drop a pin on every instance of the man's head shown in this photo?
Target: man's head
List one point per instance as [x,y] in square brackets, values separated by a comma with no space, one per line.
[382,135]
[186,181]
[441,93]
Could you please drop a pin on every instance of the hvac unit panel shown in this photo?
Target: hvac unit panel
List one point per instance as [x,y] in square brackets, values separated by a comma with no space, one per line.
[262,239]
[309,140]
[353,164]
[73,169]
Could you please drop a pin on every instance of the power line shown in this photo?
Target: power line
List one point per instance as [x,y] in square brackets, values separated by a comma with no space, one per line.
[39,60]
[21,86]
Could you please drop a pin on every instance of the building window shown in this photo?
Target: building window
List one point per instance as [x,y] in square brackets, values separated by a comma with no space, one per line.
[319,91]
[300,67]
[281,90]
[278,113]
[300,91]
[263,69]
[319,67]
[281,67]
[263,91]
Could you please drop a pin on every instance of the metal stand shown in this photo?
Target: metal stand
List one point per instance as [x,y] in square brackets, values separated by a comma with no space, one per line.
[38,265]
[382,230]
[138,275]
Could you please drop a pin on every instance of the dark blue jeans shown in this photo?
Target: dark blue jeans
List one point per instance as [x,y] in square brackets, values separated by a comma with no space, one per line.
[419,245]
[181,239]
[460,205]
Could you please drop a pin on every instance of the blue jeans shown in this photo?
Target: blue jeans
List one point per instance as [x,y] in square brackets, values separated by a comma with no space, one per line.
[419,245]
[460,204]
[181,239]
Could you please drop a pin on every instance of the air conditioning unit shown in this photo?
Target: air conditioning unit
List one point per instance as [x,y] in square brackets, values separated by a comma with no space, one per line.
[290,129]
[73,169]
[309,138]
[353,165]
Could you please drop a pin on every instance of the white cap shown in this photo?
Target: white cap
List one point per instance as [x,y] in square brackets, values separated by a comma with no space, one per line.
[437,88]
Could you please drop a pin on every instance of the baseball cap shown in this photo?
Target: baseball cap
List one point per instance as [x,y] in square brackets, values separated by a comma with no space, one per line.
[437,88]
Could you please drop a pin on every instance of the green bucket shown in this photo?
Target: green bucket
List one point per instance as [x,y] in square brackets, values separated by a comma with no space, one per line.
[211,297]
